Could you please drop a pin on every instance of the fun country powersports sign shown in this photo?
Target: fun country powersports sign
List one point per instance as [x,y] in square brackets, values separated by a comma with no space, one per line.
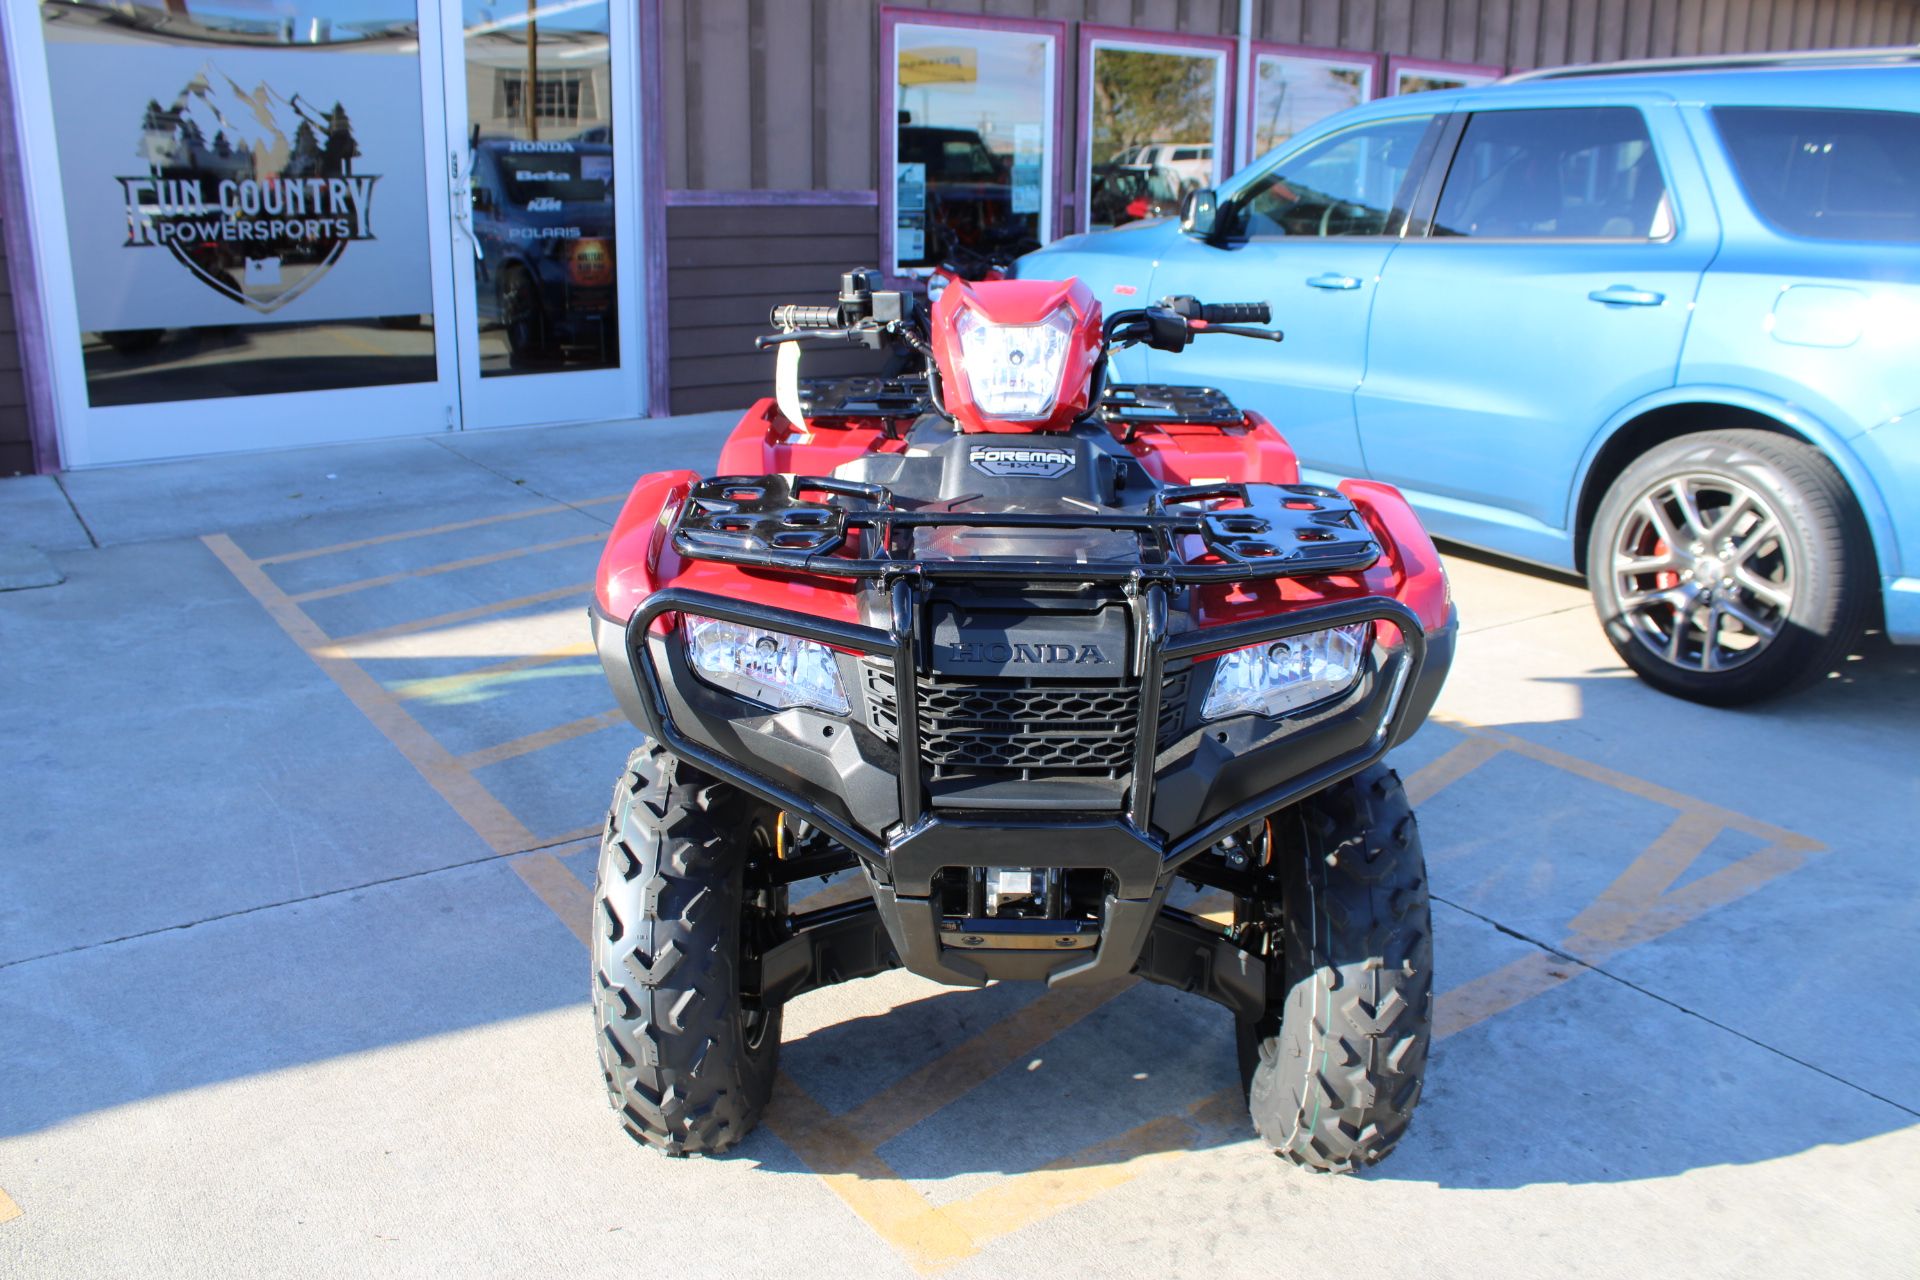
[252,188]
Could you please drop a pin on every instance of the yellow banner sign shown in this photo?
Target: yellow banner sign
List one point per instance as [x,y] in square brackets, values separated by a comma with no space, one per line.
[946,64]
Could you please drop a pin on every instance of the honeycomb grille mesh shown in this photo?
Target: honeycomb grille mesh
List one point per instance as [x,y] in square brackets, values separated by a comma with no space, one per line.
[1017,726]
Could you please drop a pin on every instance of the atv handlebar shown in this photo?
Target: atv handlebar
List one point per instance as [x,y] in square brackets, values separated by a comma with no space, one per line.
[1235,312]
[794,315]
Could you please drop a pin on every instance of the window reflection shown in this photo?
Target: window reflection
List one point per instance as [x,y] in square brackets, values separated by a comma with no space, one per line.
[1155,116]
[973,177]
[1292,93]
[540,103]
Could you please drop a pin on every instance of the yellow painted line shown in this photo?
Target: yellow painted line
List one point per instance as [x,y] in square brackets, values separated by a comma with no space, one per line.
[494,823]
[545,738]
[1735,880]
[8,1209]
[1460,760]
[450,566]
[341,643]
[442,686]
[863,1181]
[1472,1002]
[1027,1198]
[287,557]
[971,1064]
[1647,877]
[560,889]
[1622,781]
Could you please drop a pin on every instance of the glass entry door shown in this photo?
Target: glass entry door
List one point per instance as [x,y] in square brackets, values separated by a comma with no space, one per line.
[308,221]
[543,165]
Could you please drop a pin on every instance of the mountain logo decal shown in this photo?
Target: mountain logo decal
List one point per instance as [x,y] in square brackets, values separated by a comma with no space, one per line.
[253,193]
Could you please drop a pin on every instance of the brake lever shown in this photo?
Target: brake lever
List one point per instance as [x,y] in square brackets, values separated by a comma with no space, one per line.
[766,340]
[1244,331]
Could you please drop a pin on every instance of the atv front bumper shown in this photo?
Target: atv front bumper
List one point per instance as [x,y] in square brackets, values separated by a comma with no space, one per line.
[1181,796]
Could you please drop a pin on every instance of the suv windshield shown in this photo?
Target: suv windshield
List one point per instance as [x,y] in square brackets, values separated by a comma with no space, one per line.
[1828,174]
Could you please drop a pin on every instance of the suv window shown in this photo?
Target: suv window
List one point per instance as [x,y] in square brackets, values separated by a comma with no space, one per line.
[1827,173]
[1576,173]
[1343,185]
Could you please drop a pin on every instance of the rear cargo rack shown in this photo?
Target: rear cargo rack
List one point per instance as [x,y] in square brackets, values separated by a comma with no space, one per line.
[844,529]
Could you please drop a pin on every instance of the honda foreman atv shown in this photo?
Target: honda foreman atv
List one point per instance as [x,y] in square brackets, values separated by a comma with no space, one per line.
[1023,648]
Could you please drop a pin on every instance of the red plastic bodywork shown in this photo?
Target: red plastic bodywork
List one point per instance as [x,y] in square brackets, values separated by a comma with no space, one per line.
[1018,302]
[639,559]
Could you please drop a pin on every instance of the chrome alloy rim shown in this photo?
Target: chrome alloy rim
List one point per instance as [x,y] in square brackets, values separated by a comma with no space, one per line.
[1702,572]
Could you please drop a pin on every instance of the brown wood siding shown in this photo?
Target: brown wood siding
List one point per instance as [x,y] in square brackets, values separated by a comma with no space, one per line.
[782,95]
[727,266]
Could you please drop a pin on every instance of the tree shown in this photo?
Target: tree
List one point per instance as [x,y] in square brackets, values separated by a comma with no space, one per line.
[341,148]
[305,161]
[1144,97]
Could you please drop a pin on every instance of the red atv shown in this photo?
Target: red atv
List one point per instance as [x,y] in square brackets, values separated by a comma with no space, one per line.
[1025,649]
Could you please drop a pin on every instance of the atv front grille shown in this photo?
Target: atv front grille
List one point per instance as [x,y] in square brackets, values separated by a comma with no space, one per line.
[1025,727]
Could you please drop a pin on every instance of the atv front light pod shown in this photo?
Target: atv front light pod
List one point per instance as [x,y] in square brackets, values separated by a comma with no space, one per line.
[1014,370]
[767,666]
[1278,676]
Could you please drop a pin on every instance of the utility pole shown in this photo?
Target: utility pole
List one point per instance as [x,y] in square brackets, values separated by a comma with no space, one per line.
[532,93]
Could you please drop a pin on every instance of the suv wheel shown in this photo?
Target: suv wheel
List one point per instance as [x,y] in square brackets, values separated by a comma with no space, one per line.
[1729,566]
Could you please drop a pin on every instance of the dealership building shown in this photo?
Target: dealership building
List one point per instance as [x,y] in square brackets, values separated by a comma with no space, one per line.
[251,224]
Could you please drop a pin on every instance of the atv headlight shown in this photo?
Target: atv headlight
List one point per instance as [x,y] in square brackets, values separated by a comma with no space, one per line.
[1278,676]
[1014,370]
[767,666]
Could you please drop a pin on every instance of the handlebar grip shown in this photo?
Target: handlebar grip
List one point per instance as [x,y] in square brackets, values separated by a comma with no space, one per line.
[793,315]
[1236,312]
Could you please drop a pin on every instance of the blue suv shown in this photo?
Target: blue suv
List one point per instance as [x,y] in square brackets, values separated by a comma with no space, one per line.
[1656,324]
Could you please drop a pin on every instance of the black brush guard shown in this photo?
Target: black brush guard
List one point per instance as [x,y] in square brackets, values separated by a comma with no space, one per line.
[903,924]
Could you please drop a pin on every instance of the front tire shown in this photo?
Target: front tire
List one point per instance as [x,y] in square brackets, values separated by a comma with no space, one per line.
[689,1065]
[1334,1068]
[1730,566]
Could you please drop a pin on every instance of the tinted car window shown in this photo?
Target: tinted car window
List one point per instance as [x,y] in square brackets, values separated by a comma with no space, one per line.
[1586,173]
[1344,185]
[1830,174]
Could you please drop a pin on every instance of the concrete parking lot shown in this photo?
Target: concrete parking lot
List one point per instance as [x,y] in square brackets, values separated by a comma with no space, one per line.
[303,768]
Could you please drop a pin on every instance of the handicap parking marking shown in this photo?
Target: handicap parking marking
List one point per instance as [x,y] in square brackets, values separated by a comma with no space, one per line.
[1647,899]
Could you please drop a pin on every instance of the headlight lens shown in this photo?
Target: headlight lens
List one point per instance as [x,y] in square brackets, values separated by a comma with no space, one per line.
[1279,676]
[767,666]
[1014,370]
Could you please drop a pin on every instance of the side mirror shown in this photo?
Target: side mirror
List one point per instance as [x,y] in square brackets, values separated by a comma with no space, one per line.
[1199,210]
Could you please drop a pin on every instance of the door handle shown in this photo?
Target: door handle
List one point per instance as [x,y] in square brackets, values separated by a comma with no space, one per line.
[460,195]
[1628,296]
[1333,280]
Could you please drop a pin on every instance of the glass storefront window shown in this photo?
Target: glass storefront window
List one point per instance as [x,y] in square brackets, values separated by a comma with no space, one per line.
[1410,75]
[1156,127]
[244,195]
[1294,90]
[540,107]
[973,144]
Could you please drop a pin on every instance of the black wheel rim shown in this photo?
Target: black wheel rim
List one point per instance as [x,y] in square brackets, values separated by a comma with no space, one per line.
[1702,574]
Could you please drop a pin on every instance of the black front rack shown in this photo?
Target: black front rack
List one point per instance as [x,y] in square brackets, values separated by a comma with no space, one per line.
[802,524]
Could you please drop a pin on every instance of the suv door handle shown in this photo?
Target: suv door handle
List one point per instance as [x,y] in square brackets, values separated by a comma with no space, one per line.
[1628,296]
[1333,280]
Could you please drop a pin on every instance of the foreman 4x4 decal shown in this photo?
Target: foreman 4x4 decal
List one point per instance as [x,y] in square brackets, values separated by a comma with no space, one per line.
[254,193]
[1033,461]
